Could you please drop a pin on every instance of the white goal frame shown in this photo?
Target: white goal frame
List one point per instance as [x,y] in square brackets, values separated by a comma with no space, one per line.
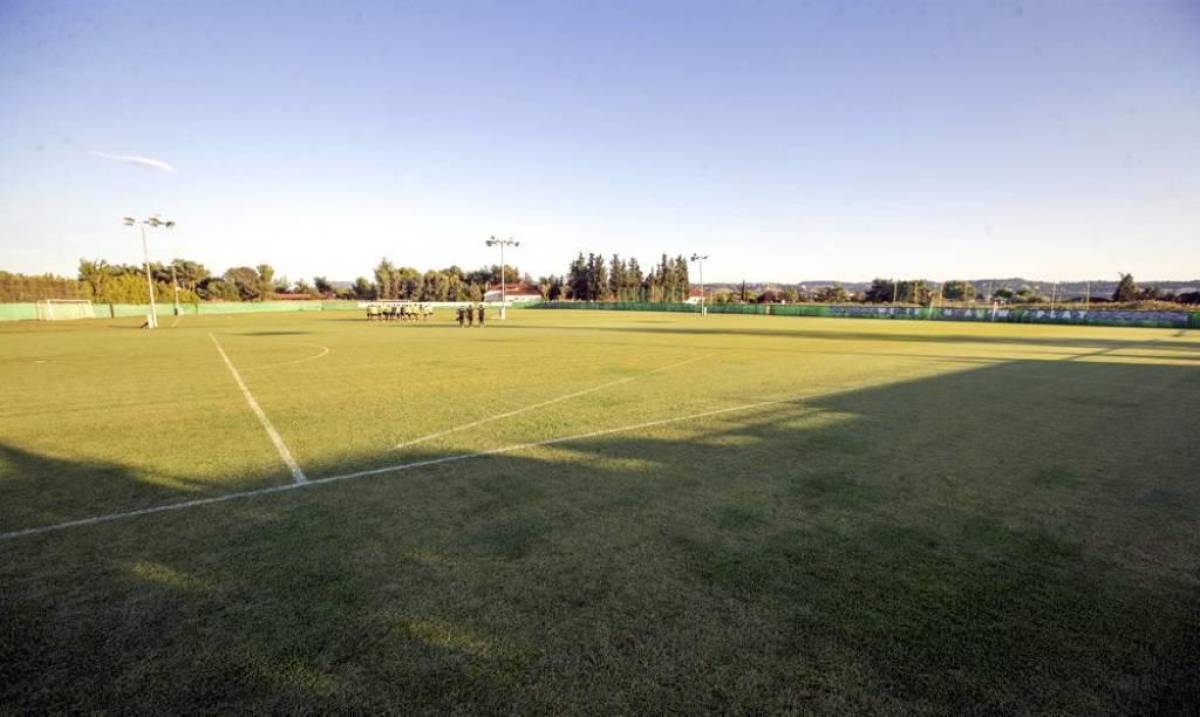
[67,309]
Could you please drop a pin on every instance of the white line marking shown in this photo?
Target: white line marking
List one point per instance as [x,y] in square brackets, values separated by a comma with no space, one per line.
[576,394]
[436,461]
[148,511]
[324,352]
[284,453]
[387,469]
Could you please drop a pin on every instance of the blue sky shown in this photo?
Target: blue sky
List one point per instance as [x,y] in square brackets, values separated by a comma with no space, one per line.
[787,140]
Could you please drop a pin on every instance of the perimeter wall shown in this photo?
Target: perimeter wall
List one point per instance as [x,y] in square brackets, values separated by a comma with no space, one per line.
[1154,319]
[28,311]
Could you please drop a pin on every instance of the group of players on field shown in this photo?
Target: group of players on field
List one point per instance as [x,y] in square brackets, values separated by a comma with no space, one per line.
[399,312]
[466,315]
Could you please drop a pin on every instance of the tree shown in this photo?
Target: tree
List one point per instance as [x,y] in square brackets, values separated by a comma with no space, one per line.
[958,290]
[633,281]
[577,278]
[833,294]
[95,274]
[435,286]
[682,283]
[384,280]
[363,288]
[1127,289]
[511,275]
[246,281]
[597,277]
[407,283]
[265,276]
[616,278]
[1028,295]
[215,289]
[189,273]
[914,291]
[456,286]
[550,287]
[323,286]
[881,291]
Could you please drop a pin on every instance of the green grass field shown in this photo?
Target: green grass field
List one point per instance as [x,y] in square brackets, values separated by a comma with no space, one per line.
[677,514]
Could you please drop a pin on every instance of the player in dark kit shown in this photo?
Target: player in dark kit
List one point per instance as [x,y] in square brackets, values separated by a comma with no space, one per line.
[481,316]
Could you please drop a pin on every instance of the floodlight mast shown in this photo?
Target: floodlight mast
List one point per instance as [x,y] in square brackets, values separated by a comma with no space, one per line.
[493,241]
[700,263]
[153,221]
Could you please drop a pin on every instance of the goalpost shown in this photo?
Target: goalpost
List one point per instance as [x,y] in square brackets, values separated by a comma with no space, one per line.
[65,309]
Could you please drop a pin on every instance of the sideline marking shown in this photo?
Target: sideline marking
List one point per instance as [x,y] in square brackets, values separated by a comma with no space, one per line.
[576,394]
[284,453]
[393,469]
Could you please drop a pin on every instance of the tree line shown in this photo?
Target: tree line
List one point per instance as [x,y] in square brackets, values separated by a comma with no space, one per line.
[923,292]
[593,278]
[103,282]
[588,278]
[450,284]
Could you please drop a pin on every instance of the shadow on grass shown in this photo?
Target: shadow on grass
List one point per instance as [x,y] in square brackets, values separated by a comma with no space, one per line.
[273,333]
[1001,539]
[799,331]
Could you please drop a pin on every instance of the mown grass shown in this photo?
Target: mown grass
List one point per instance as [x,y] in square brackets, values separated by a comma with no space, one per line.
[939,518]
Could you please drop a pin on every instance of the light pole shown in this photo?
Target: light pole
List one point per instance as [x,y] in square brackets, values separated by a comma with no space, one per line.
[154,221]
[175,283]
[700,264]
[493,241]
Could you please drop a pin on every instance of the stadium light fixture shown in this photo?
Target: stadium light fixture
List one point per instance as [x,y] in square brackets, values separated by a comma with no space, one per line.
[493,241]
[700,263]
[152,221]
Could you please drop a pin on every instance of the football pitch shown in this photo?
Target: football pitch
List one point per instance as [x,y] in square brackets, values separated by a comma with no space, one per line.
[577,511]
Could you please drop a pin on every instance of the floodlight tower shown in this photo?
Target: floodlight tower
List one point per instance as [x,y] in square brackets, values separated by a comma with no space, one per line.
[153,221]
[700,264]
[493,241]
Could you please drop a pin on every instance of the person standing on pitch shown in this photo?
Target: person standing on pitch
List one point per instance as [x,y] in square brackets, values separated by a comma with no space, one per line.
[481,316]
[459,313]
[470,316]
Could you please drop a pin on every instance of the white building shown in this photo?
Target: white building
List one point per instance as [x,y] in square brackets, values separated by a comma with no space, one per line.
[513,293]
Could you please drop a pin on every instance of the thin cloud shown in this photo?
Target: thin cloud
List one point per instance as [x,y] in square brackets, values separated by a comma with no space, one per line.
[147,162]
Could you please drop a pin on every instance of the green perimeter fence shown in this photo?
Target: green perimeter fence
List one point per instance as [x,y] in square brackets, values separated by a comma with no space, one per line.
[18,312]
[1159,319]
[1155,319]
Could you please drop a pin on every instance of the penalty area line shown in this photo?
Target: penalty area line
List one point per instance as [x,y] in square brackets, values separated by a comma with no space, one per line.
[541,404]
[110,517]
[284,453]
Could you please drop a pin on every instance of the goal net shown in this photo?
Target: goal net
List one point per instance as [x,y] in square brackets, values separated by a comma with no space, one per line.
[64,309]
